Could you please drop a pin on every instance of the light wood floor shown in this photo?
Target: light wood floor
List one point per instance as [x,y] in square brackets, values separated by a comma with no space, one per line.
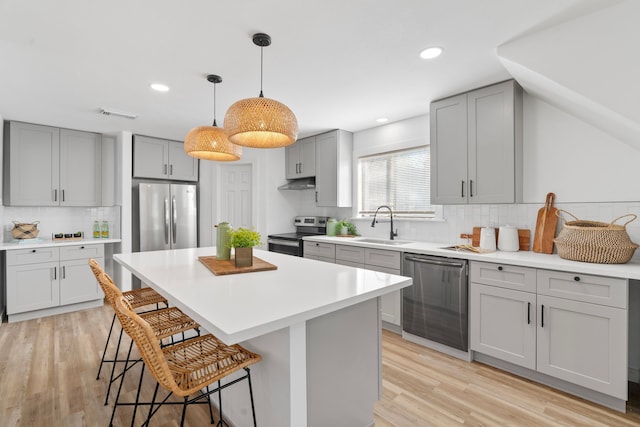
[48,367]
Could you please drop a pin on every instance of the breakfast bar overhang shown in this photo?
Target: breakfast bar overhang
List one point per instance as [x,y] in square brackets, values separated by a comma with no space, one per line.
[316,325]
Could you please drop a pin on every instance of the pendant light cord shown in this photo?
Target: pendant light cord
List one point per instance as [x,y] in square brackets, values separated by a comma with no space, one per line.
[214,105]
[261,65]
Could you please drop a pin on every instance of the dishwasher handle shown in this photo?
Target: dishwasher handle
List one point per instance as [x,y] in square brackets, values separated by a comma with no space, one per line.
[417,258]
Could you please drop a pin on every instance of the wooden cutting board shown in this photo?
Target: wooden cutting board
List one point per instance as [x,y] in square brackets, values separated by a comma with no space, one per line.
[546,225]
[222,267]
[524,237]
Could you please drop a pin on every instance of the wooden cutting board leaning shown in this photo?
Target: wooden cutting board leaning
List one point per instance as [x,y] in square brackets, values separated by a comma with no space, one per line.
[546,225]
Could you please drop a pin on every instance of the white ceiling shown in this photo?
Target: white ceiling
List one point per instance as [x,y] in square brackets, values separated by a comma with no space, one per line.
[335,63]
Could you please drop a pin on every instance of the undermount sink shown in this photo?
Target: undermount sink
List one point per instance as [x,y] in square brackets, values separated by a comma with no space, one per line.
[385,241]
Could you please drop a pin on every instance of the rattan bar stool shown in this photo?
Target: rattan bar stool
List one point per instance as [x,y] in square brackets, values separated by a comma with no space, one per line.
[188,367]
[165,322]
[138,298]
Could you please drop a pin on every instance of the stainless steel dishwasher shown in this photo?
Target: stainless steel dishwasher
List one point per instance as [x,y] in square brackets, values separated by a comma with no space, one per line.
[435,306]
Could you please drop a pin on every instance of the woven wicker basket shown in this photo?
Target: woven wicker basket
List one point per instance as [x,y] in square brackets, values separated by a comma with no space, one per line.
[23,230]
[597,242]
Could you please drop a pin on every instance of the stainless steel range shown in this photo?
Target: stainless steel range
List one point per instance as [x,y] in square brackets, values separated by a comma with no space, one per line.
[291,243]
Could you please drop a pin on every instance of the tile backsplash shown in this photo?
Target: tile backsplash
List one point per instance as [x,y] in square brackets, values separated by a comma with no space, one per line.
[60,219]
[459,219]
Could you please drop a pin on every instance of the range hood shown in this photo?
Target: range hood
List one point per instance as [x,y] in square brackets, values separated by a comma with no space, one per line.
[299,184]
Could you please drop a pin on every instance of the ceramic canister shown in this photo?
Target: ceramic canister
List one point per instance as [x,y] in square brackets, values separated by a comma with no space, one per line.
[223,250]
[488,238]
[508,239]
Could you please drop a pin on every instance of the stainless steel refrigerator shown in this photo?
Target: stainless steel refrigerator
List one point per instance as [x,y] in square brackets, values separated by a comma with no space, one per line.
[168,216]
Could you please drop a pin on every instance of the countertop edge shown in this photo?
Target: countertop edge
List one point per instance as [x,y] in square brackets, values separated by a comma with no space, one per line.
[10,246]
[630,270]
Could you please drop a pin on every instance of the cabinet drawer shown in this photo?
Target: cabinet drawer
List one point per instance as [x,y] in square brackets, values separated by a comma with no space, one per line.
[504,276]
[382,258]
[32,256]
[325,250]
[583,287]
[350,253]
[350,263]
[81,252]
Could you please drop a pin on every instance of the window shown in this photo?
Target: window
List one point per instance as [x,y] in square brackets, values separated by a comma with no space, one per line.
[399,179]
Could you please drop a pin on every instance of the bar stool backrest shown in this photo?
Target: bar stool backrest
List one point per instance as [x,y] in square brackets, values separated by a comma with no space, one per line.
[111,291]
[146,341]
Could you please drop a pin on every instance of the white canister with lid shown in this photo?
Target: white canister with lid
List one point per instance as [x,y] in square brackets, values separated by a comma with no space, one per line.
[488,238]
[508,239]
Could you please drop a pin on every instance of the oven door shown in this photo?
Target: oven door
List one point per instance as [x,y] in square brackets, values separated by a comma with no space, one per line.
[283,246]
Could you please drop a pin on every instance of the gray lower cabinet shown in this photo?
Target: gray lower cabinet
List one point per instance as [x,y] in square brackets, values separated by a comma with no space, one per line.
[162,159]
[476,146]
[381,260]
[48,166]
[569,326]
[50,278]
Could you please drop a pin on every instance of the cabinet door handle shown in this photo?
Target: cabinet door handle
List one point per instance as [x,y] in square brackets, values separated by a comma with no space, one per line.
[63,195]
[64,272]
[542,315]
[55,195]
[500,268]
[316,197]
[576,278]
[528,313]
[55,273]
[164,169]
[301,167]
[462,189]
[470,188]
[170,169]
[33,251]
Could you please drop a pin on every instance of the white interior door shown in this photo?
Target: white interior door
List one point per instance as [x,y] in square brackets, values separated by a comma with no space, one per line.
[236,195]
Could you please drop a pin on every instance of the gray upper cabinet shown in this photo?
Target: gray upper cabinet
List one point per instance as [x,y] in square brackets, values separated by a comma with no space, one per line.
[334,151]
[476,146]
[301,158]
[162,159]
[47,166]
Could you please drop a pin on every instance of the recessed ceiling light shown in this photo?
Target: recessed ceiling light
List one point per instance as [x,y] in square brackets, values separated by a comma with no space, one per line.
[382,120]
[159,87]
[431,52]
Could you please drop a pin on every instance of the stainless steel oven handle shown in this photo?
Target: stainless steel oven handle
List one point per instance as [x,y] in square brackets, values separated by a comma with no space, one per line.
[284,242]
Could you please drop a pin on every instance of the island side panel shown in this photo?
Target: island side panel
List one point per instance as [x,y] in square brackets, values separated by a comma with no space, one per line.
[270,379]
[343,366]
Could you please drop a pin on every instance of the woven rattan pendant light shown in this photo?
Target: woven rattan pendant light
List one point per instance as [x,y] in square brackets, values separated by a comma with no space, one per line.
[211,142]
[261,122]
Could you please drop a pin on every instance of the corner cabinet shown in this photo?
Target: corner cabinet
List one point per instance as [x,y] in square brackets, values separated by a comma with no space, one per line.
[51,280]
[569,326]
[476,146]
[301,158]
[162,159]
[48,166]
[334,153]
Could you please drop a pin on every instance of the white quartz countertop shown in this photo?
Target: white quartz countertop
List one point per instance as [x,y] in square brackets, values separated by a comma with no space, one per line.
[238,307]
[630,270]
[43,243]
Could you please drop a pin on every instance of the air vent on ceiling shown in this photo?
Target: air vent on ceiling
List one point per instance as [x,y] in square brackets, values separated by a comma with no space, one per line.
[109,112]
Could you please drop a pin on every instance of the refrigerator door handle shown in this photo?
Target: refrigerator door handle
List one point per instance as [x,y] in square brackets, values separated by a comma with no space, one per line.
[166,220]
[174,217]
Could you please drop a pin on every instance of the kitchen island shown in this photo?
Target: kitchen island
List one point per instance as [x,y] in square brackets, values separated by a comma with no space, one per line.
[316,325]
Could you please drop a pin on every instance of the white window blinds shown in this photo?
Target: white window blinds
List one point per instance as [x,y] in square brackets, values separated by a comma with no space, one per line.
[399,179]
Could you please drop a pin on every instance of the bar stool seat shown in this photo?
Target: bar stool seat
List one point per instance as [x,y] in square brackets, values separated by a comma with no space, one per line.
[187,367]
[165,322]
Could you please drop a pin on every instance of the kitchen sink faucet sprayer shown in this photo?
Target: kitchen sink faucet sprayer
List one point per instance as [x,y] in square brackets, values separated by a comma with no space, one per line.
[392,234]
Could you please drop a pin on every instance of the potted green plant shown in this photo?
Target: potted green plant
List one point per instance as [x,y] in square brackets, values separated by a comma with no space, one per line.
[243,240]
[344,228]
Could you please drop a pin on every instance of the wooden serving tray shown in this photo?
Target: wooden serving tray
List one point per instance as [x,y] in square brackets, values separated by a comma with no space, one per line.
[222,267]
